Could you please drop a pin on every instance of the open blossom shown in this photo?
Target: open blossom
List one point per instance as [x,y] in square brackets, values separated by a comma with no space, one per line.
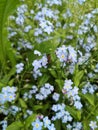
[56,96]
[37,125]
[19,68]
[66,54]
[46,121]
[93,125]
[78,105]
[68,85]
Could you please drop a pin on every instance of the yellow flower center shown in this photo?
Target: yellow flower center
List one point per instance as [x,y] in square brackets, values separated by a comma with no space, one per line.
[37,125]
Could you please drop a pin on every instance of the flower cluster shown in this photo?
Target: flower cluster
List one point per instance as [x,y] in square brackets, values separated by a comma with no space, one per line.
[75,126]
[88,88]
[38,125]
[20,12]
[7,94]
[72,93]
[44,91]
[37,64]
[61,113]
[66,54]
[54,43]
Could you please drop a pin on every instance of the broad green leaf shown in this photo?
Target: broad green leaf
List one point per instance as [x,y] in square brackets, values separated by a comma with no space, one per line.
[78,76]
[41,107]
[43,79]
[37,107]
[22,103]
[29,120]
[53,73]
[6,8]
[15,126]
[46,47]
[7,77]
[75,113]
[60,83]
[90,98]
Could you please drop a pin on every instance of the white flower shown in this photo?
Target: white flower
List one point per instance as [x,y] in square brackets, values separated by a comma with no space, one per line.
[56,96]
[36,52]
[93,124]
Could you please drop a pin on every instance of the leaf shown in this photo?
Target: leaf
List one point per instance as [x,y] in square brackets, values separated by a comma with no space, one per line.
[11,56]
[29,120]
[43,79]
[58,125]
[60,83]
[85,125]
[15,126]
[78,76]
[37,107]
[53,73]
[6,8]
[90,98]
[75,113]
[7,77]
[43,107]
[46,47]
[22,103]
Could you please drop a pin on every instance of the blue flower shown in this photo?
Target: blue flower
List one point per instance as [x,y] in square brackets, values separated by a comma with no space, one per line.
[56,96]
[68,85]
[46,121]
[78,105]
[4,124]
[61,113]
[51,127]
[7,94]
[19,68]
[77,125]
[66,54]
[37,125]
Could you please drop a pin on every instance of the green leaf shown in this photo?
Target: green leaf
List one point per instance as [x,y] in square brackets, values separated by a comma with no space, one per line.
[29,120]
[58,125]
[11,56]
[60,83]
[46,47]
[43,107]
[37,107]
[43,79]
[7,77]
[75,113]
[90,98]
[6,8]
[15,126]
[77,76]
[53,73]
[85,125]
[22,103]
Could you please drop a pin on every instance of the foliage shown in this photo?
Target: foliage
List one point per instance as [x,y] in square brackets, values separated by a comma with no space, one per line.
[48,54]
[6,8]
